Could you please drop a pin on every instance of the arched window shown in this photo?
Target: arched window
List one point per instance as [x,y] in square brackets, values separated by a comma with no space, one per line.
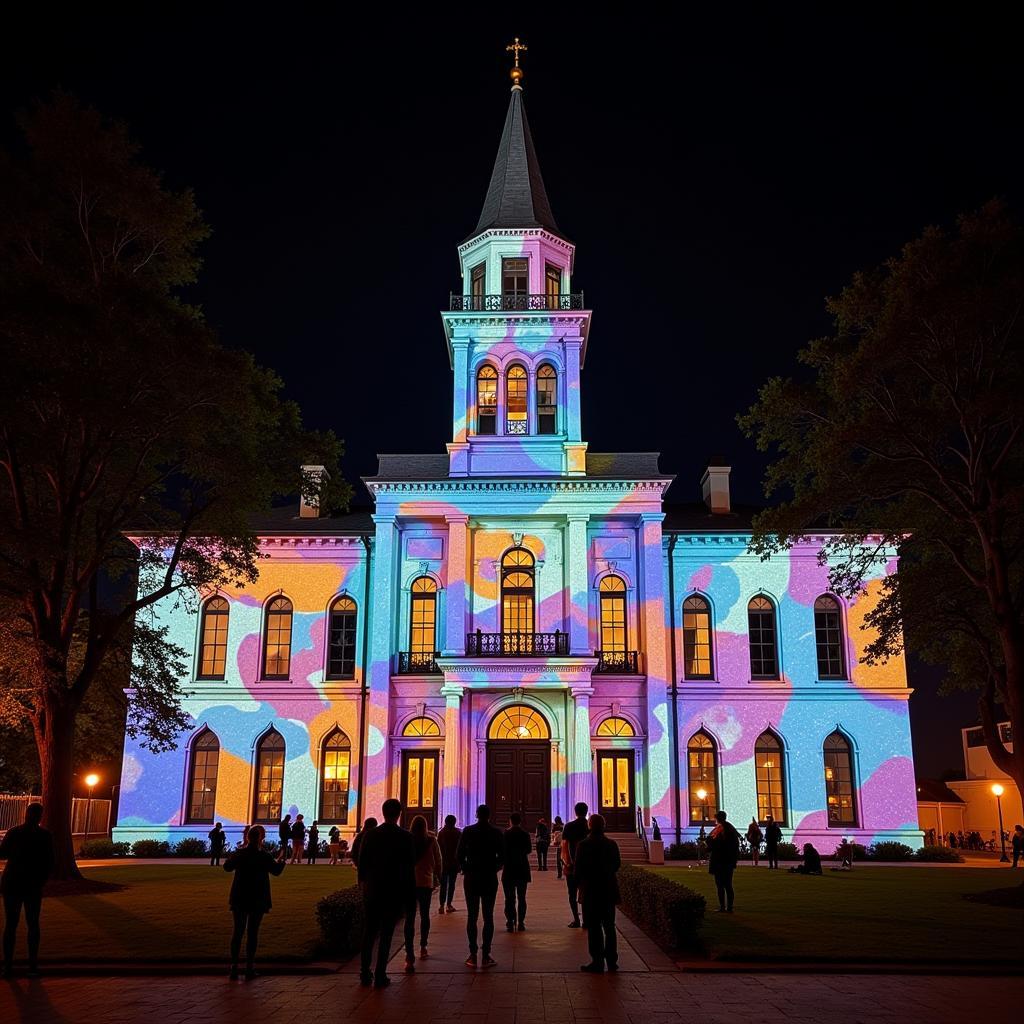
[423,624]
[213,645]
[486,400]
[516,386]
[518,723]
[202,786]
[612,592]
[269,777]
[615,727]
[421,727]
[277,639]
[771,779]
[697,663]
[702,766]
[828,638]
[517,587]
[547,400]
[764,658]
[842,810]
[336,761]
[341,640]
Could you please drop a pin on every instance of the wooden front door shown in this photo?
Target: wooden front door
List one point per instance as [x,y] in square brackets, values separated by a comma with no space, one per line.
[419,786]
[519,779]
[615,786]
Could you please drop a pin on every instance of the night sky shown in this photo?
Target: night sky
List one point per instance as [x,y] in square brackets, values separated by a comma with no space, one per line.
[719,178]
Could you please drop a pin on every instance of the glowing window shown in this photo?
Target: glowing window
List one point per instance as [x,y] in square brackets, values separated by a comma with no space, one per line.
[341,641]
[203,777]
[477,285]
[269,777]
[552,285]
[517,595]
[702,768]
[613,615]
[828,638]
[486,400]
[514,282]
[277,639]
[839,781]
[518,723]
[764,660]
[213,649]
[771,780]
[547,400]
[697,663]
[334,778]
[422,727]
[516,386]
[615,727]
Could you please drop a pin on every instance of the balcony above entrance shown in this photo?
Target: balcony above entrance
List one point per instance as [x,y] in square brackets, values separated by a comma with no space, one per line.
[517,645]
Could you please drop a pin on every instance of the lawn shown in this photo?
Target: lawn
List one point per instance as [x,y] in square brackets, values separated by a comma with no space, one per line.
[871,914]
[180,912]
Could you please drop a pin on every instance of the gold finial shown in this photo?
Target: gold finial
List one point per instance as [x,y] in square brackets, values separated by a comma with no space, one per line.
[517,72]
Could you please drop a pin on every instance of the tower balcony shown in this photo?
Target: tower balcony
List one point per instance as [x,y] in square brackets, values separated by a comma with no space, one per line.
[516,303]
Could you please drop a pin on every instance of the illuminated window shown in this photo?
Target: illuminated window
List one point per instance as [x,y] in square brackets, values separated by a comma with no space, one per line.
[486,400]
[764,660]
[334,778]
[514,283]
[477,285]
[839,781]
[702,768]
[828,638]
[516,386]
[420,781]
[341,641]
[517,596]
[771,779]
[422,727]
[213,649]
[277,639]
[552,285]
[423,623]
[697,662]
[615,727]
[203,777]
[518,723]
[547,400]
[612,593]
[269,777]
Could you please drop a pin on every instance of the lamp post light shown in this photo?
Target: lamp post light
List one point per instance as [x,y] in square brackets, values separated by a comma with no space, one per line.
[768,765]
[702,796]
[90,781]
[998,791]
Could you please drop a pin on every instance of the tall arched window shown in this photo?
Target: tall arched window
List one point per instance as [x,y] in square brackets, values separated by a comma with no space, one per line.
[547,400]
[764,656]
[697,663]
[702,766]
[828,637]
[487,400]
[516,386]
[269,777]
[839,799]
[213,645]
[771,778]
[423,624]
[517,589]
[277,639]
[202,785]
[334,776]
[341,640]
[612,593]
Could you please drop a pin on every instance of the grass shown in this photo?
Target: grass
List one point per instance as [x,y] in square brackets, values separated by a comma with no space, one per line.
[867,915]
[180,912]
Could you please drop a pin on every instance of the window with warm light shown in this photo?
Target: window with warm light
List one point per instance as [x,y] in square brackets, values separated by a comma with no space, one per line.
[341,641]
[697,663]
[516,386]
[518,723]
[269,777]
[769,772]
[213,650]
[477,285]
[828,638]
[702,768]
[764,659]
[423,618]
[487,400]
[515,282]
[422,727]
[277,639]
[839,797]
[517,592]
[552,285]
[547,400]
[334,778]
[612,592]
[203,777]
[615,727]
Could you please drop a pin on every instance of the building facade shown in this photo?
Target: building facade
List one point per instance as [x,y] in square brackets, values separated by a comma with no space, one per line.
[525,623]
[977,789]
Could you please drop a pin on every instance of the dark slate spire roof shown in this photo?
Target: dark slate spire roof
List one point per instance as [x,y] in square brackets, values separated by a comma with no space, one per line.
[516,197]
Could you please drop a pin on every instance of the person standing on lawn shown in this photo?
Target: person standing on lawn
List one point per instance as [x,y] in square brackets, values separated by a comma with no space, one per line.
[284,832]
[250,896]
[28,850]
[542,842]
[312,844]
[754,837]
[572,835]
[448,841]
[772,838]
[597,864]
[556,841]
[217,843]
[334,843]
[368,826]
[428,873]
[515,875]
[298,839]
[723,856]
[481,854]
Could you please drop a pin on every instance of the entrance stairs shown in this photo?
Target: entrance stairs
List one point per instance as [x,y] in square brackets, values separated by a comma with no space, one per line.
[631,847]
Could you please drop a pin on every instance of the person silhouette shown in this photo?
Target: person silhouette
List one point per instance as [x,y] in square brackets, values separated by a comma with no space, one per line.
[357,844]
[542,841]
[556,841]
[298,839]
[250,896]
[754,837]
[572,835]
[597,862]
[428,871]
[515,876]
[724,854]
[284,832]
[312,844]
[218,840]
[448,841]
[480,856]
[772,838]
[28,850]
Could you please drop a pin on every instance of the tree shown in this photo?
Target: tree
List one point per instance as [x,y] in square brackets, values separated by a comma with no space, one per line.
[122,412]
[908,433]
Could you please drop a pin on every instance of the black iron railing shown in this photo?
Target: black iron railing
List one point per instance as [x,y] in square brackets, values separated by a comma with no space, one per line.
[499,303]
[642,833]
[418,662]
[623,662]
[516,645]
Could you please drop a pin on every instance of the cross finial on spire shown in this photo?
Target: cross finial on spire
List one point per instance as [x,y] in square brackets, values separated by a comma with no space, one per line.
[515,48]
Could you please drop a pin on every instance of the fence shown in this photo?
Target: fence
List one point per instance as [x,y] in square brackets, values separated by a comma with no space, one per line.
[12,812]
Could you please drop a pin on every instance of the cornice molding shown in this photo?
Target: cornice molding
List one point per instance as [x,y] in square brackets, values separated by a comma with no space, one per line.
[558,243]
[575,485]
[487,318]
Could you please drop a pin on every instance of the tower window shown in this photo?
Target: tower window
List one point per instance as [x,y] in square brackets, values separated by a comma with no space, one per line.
[478,285]
[514,283]
[487,400]
[547,400]
[516,386]
[552,285]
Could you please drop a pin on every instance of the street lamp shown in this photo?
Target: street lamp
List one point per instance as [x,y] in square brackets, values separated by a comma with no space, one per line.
[998,791]
[90,781]
[702,796]
[768,766]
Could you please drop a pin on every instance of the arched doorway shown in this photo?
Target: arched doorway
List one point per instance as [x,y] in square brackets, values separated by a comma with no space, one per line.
[519,766]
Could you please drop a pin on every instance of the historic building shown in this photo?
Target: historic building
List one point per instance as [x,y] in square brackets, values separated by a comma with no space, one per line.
[524,622]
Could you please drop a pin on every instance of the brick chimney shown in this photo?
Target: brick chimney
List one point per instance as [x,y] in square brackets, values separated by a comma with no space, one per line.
[309,505]
[714,485]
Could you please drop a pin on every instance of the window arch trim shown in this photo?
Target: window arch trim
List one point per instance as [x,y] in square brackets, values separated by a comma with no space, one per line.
[492,414]
[518,613]
[850,748]
[195,747]
[702,812]
[283,639]
[709,609]
[334,798]
[219,640]
[776,666]
[841,653]
[271,783]
[344,665]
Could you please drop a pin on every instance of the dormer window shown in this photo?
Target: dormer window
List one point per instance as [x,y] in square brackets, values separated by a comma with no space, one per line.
[477,285]
[487,400]
[552,286]
[514,283]
[547,400]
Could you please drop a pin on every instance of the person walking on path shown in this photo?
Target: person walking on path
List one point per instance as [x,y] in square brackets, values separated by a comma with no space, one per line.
[542,841]
[724,853]
[334,844]
[572,835]
[556,841]
[387,877]
[298,839]
[480,855]
[28,850]
[1017,844]
[250,896]
[597,864]
[217,843]
[357,844]
[515,875]
[284,832]
[754,837]
[448,841]
[312,844]
[772,838]
[428,873]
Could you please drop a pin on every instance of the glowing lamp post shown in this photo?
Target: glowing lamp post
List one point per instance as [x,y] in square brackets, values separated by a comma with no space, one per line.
[702,796]
[90,781]
[997,790]
[768,766]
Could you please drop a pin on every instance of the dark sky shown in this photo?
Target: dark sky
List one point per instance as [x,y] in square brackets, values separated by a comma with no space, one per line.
[719,176]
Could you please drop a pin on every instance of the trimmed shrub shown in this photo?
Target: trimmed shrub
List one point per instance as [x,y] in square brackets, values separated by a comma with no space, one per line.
[103,849]
[190,847]
[938,855]
[788,851]
[890,851]
[860,852]
[681,851]
[669,912]
[340,916]
[151,848]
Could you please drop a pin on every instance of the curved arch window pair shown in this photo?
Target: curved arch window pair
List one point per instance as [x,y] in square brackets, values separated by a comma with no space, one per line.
[516,400]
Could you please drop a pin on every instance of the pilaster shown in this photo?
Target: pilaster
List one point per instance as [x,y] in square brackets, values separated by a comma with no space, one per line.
[451,794]
[581,774]
[579,629]
[457,588]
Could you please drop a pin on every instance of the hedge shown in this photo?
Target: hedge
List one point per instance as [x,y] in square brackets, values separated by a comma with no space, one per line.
[190,847]
[669,912]
[102,849]
[340,916]
[938,855]
[890,851]
[151,848]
